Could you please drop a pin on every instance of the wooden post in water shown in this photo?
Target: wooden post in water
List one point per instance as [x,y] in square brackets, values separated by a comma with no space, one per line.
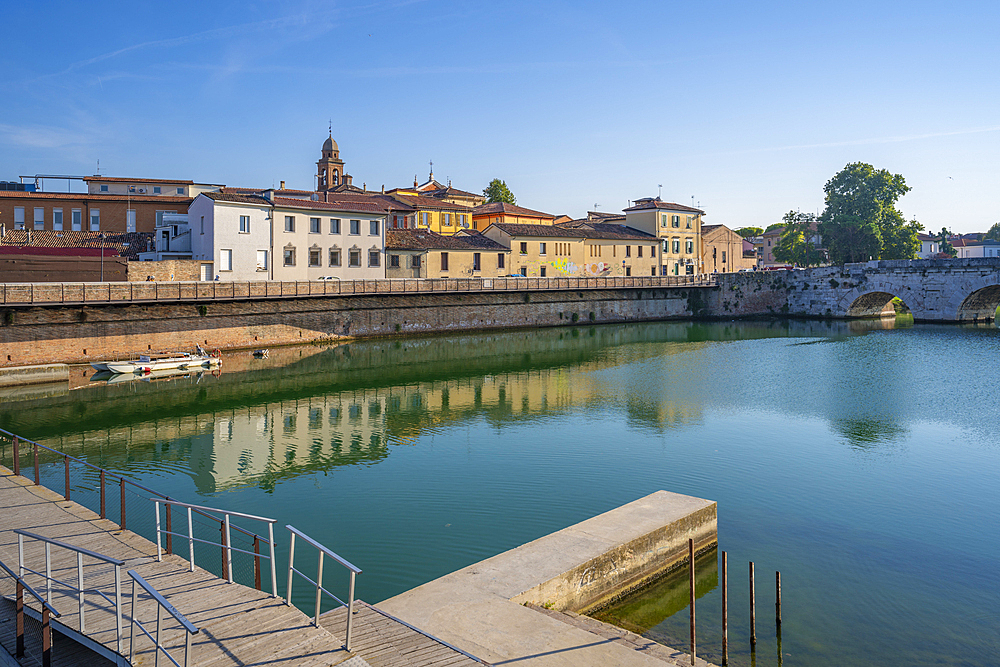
[753,611]
[777,600]
[691,559]
[725,613]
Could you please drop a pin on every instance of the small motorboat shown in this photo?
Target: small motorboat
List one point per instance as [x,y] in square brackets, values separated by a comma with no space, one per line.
[146,363]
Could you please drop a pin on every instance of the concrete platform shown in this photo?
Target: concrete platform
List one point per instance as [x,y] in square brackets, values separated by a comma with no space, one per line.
[21,375]
[484,608]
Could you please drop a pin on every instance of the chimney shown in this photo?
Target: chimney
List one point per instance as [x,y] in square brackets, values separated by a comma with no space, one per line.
[282,185]
[383,188]
[415,180]
[269,195]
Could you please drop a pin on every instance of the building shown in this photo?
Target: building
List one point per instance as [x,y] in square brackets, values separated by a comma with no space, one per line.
[724,251]
[85,212]
[436,190]
[929,246]
[678,227]
[501,212]
[330,173]
[984,248]
[266,237]
[581,248]
[67,256]
[436,215]
[418,253]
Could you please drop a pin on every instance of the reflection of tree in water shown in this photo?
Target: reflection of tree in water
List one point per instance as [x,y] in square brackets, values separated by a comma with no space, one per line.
[869,432]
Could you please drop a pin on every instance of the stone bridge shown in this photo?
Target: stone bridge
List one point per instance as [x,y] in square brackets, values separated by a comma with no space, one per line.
[935,290]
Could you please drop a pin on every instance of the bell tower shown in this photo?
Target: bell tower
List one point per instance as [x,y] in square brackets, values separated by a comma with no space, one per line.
[330,168]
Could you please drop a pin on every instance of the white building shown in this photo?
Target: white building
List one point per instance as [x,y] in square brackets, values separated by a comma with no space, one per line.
[929,247]
[978,249]
[267,237]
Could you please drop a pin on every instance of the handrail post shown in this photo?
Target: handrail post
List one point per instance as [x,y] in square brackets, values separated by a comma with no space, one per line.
[291,567]
[274,577]
[17,457]
[229,552]
[319,587]
[66,459]
[350,611]
[118,604]
[46,638]
[131,625]
[103,497]
[19,606]
[79,595]
[159,548]
[38,476]
[256,562]
[190,540]
[159,646]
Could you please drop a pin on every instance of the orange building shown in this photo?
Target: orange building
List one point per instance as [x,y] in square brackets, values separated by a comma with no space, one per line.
[501,212]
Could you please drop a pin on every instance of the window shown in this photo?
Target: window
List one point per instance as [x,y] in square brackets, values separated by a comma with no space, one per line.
[663,220]
[104,188]
[628,250]
[289,223]
[541,271]
[289,256]
[676,246]
[156,189]
[159,216]
[334,225]
[76,219]
[354,258]
[314,225]
[652,252]
[689,269]
[524,248]
[477,262]
[415,262]
[130,220]
[723,256]
[314,255]
[447,219]
[95,219]
[374,258]
[39,218]
[334,256]
[225,260]
[424,218]
[654,271]
[180,191]
[541,248]
[675,221]
[444,261]
[18,217]
[244,224]
[394,261]
[373,228]
[628,270]
[57,219]
[262,260]
[638,251]
[689,246]
[524,271]
[355,227]
[500,260]
[462,222]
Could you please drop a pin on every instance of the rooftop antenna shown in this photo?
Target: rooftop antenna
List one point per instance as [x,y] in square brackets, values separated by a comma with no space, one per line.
[659,190]
[98,166]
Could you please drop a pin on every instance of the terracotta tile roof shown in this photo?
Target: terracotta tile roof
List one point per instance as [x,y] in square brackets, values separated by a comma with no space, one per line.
[644,204]
[83,196]
[451,192]
[598,215]
[593,230]
[238,198]
[424,202]
[418,239]
[127,244]
[341,201]
[118,179]
[346,206]
[509,209]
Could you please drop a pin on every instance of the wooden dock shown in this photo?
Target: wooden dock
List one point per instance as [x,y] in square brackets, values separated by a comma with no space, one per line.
[238,625]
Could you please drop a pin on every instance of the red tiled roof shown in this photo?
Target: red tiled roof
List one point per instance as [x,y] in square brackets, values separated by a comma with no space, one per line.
[509,209]
[103,196]
[419,239]
[664,205]
[423,202]
[346,206]
[119,179]
[126,244]
[237,198]
[595,231]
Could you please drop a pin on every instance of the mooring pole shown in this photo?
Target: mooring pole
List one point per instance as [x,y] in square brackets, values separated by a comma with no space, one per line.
[691,559]
[725,613]
[777,600]
[753,606]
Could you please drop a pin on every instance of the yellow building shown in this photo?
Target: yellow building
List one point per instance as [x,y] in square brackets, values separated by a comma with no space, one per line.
[436,215]
[423,254]
[678,228]
[580,248]
[501,212]
[725,251]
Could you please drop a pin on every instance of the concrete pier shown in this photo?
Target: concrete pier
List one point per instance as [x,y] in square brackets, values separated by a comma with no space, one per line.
[487,608]
[22,375]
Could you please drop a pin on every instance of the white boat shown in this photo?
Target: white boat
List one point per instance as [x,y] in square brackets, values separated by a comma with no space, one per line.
[152,362]
[100,366]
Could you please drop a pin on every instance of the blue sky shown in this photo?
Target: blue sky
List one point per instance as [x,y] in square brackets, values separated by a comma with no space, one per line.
[749,108]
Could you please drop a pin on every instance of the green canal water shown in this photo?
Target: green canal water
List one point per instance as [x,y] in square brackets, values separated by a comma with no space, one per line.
[859,459]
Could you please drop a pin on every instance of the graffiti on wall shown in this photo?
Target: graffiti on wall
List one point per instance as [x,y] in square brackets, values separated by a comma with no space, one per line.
[569,268]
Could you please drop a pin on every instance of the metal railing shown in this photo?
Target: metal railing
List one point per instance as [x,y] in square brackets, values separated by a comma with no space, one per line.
[226,542]
[146,292]
[125,486]
[323,551]
[47,611]
[79,589]
[189,629]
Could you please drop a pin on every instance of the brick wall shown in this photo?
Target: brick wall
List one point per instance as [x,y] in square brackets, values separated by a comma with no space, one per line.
[165,270]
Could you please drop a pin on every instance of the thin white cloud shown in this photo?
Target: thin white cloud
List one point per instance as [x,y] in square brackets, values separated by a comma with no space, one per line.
[877,140]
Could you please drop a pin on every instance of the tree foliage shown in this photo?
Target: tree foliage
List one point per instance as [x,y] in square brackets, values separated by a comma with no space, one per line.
[994,233]
[945,246]
[749,232]
[497,191]
[774,226]
[861,221]
[797,245]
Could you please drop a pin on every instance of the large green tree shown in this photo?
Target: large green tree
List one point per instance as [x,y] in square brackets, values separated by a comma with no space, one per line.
[994,233]
[796,245]
[749,232]
[944,245]
[861,221]
[497,191]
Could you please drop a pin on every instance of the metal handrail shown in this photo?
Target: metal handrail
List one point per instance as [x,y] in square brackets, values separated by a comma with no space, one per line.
[318,583]
[227,539]
[161,603]
[78,587]
[47,610]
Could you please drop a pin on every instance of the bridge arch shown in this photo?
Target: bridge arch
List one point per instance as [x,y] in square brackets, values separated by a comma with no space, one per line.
[981,304]
[872,304]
